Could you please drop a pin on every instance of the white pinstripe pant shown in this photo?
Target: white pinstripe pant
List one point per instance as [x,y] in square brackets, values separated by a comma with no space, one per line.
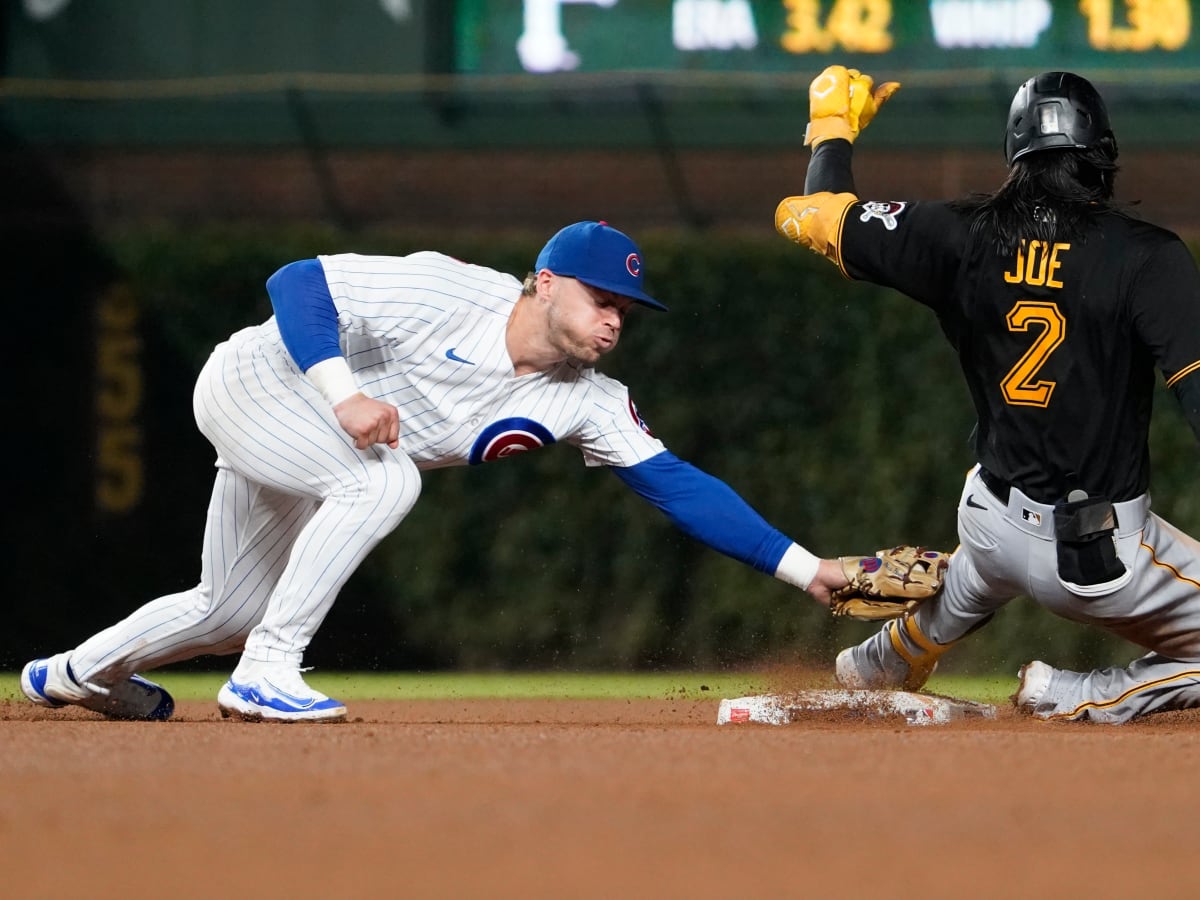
[295,509]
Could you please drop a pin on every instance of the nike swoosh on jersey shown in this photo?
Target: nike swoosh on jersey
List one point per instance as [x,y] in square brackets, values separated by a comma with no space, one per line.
[971,502]
[450,354]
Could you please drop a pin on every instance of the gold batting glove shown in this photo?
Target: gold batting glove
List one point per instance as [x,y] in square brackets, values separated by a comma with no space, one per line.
[842,102]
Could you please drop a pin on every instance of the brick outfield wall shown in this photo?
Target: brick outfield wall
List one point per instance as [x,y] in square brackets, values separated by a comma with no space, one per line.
[637,190]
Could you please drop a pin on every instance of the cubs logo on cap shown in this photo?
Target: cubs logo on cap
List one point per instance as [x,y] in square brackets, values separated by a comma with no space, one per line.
[599,255]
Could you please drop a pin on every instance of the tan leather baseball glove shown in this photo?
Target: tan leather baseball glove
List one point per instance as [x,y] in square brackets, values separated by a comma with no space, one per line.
[890,583]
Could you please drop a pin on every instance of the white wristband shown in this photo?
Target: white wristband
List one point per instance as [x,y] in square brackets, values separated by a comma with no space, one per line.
[333,378]
[798,567]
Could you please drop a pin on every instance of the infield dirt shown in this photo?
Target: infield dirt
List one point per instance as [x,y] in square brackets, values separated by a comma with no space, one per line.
[592,799]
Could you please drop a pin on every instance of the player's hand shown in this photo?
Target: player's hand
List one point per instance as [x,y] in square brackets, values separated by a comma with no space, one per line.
[828,579]
[842,102]
[369,421]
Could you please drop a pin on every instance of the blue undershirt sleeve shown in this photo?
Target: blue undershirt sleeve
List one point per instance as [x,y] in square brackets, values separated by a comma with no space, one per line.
[707,509]
[304,312]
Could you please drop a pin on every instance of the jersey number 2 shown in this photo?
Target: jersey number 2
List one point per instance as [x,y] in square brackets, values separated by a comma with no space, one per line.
[1021,385]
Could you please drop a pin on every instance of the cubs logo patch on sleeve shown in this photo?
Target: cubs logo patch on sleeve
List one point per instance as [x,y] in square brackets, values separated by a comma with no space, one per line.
[637,417]
[886,211]
[507,437]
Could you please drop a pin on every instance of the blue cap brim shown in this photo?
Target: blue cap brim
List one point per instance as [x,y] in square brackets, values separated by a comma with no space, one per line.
[622,289]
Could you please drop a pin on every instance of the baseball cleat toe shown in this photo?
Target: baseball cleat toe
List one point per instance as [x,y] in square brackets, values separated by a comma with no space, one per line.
[282,697]
[33,683]
[1035,681]
[50,683]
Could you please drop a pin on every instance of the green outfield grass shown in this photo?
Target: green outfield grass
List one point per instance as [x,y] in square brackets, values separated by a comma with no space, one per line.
[523,685]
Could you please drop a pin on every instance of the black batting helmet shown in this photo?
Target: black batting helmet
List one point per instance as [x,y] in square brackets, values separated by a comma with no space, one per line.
[1055,110]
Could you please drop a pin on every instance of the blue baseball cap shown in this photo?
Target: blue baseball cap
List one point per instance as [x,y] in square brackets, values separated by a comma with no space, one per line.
[599,255]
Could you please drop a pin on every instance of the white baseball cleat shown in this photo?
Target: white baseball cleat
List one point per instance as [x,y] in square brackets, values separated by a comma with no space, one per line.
[847,673]
[51,683]
[1035,681]
[277,694]
[855,671]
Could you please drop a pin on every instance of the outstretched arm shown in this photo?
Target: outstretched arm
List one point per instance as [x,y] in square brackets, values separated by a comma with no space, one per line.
[842,102]
[709,510]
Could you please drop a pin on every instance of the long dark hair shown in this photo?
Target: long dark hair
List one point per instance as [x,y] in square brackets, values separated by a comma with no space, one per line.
[1050,195]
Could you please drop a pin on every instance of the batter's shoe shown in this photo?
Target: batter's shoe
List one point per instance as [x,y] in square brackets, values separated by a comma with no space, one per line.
[51,683]
[847,673]
[874,665]
[1035,683]
[277,695]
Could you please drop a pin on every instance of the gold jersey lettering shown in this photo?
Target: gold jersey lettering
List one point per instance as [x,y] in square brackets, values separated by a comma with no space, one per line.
[1037,264]
[1023,386]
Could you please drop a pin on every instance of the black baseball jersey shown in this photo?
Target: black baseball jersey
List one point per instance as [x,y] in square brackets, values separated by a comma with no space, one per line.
[1058,341]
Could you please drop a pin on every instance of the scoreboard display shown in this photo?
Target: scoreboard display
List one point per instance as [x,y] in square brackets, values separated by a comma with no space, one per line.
[938,36]
[150,39]
[469,73]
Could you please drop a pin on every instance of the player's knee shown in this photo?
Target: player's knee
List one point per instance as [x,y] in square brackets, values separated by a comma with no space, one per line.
[394,490]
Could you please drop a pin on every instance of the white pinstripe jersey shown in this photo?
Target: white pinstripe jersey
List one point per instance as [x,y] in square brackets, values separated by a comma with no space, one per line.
[426,332]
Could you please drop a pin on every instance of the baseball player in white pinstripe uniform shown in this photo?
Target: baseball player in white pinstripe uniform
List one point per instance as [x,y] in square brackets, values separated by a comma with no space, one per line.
[372,370]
